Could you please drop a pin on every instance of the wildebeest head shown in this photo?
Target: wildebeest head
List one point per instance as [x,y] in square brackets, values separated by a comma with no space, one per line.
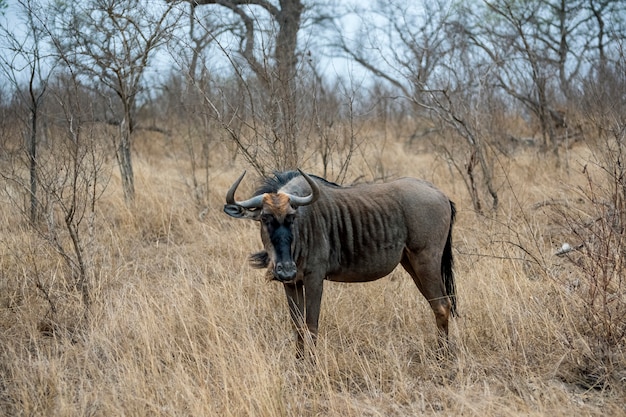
[276,212]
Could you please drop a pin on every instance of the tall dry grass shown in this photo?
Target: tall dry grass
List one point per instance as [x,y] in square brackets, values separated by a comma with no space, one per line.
[180,325]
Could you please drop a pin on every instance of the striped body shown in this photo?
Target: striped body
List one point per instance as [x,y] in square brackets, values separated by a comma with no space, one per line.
[351,234]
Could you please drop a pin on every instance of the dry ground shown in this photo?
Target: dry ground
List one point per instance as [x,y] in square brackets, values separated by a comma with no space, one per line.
[180,325]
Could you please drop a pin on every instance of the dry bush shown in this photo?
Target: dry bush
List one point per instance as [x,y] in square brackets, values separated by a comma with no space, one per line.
[181,325]
[592,273]
[51,266]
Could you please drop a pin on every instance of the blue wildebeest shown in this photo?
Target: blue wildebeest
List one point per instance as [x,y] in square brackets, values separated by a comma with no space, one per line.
[313,230]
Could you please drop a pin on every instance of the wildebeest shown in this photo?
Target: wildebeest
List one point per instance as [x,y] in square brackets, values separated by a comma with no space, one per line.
[314,230]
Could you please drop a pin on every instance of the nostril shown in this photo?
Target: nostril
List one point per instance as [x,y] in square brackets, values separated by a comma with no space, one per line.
[285,270]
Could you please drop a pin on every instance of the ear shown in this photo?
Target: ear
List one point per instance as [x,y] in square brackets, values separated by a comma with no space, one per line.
[238,212]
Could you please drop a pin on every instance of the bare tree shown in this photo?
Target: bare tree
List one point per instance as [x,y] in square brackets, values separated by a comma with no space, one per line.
[512,36]
[274,67]
[73,178]
[111,42]
[431,69]
[194,53]
[28,67]
[333,116]
[541,50]
[422,45]
[66,170]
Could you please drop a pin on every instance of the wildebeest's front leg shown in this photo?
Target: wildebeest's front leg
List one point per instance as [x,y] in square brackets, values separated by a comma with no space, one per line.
[295,300]
[304,306]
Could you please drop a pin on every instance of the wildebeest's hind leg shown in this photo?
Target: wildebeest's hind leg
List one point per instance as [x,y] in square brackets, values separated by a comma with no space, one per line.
[426,273]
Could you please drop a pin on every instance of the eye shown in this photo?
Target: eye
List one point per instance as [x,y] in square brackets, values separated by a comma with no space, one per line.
[289,219]
[267,218]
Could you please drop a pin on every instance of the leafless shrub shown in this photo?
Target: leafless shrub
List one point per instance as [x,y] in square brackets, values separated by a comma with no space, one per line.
[333,132]
[56,254]
[595,249]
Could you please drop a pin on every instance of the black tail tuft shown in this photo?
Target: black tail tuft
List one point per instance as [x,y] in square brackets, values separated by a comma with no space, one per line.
[447,265]
[259,260]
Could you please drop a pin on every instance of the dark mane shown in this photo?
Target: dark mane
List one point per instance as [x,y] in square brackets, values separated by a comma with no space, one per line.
[273,183]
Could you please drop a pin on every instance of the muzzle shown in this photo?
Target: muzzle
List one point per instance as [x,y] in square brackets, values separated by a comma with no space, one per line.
[285,271]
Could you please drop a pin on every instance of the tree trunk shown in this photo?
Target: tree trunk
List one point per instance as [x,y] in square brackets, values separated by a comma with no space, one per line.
[279,79]
[286,61]
[124,159]
[32,161]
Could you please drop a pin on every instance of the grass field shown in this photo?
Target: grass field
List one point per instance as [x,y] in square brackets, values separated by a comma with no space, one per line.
[180,325]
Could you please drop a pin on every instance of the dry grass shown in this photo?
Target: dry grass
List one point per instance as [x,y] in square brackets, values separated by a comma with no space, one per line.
[180,325]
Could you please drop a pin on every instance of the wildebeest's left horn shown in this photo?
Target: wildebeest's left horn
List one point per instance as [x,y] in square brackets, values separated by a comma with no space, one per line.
[254,202]
[297,201]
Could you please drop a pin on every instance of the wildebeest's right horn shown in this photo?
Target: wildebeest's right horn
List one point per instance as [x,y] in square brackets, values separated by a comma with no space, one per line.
[230,195]
[297,201]
[254,202]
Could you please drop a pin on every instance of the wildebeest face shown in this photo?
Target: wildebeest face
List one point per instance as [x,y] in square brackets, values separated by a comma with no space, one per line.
[277,218]
[276,212]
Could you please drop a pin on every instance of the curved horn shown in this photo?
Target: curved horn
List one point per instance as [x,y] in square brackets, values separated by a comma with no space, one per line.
[297,201]
[254,202]
[230,195]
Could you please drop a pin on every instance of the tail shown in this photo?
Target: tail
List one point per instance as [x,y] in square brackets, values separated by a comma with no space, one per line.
[259,260]
[447,265]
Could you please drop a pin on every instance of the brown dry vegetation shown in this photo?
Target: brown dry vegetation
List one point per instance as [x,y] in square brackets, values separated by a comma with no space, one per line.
[180,325]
